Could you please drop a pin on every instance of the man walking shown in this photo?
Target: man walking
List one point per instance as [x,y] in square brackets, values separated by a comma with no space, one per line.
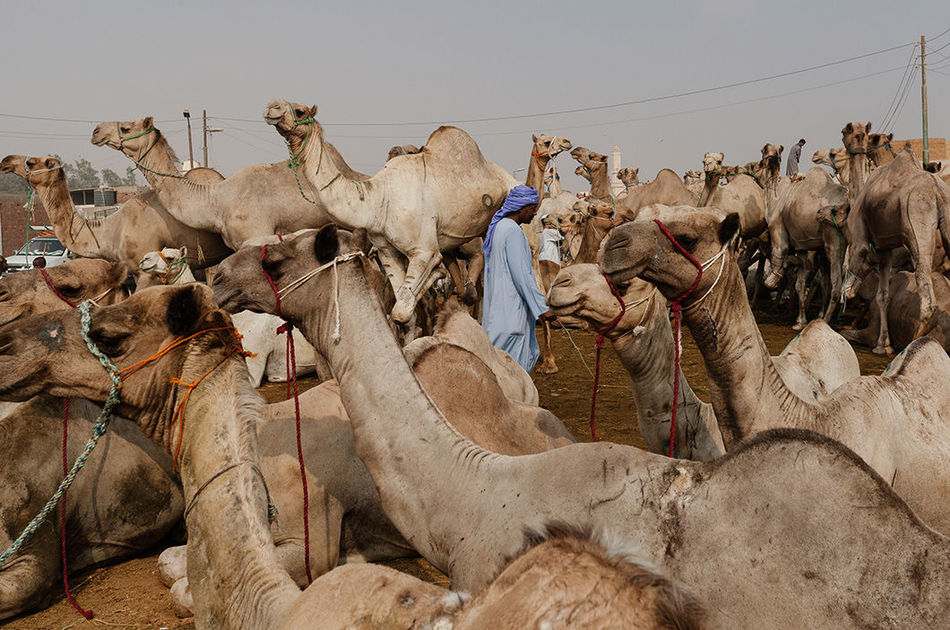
[512,302]
[794,155]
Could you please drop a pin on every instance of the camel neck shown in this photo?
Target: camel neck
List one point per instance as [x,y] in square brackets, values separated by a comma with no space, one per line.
[399,433]
[231,549]
[711,183]
[599,184]
[535,177]
[747,393]
[595,230]
[185,200]
[857,173]
[320,180]
[647,355]
[81,236]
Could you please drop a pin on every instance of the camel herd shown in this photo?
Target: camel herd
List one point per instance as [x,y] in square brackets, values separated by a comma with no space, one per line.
[802,495]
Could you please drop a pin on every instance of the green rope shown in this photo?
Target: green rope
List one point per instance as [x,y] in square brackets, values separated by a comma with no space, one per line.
[97,432]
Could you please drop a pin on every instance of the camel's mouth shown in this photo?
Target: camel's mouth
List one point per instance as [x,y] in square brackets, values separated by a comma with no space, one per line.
[272,119]
[228,299]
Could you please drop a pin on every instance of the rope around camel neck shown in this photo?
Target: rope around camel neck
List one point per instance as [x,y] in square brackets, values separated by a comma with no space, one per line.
[98,430]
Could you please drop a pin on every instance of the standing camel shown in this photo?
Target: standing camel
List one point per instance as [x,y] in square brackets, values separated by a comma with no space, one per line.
[141,225]
[465,508]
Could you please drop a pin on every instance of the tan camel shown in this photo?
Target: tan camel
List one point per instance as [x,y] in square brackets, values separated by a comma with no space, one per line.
[224,410]
[413,209]
[903,313]
[854,137]
[594,170]
[665,188]
[742,194]
[794,226]
[123,502]
[761,501]
[599,221]
[901,204]
[836,160]
[879,149]
[404,149]
[888,420]
[543,150]
[630,178]
[258,200]
[568,580]
[141,225]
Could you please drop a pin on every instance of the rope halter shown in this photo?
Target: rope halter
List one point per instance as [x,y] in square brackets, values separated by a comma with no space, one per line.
[170,267]
[26,167]
[601,334]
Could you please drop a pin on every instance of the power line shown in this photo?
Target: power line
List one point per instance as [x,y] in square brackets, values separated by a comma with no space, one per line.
[900,86]
[889,126]
[940,35]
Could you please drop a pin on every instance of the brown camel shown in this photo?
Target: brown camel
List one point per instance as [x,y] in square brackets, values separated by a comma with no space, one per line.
[630,178]
[879,149]
[666,188]
[140,226]
[888,420]
[854,137]
[258,200]
[901,204]
[594,167]
[759,501]
[599,221]
[543,150]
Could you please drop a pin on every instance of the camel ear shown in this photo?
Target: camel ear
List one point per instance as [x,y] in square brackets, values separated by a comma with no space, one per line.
[601,158]
[119,273]
[764,149]
[868,129]
[890,137]
[781,148]
[326,245]
[312,112]
[534,138]
[729,228]
[848,128]
[184,310]
[183,252]
[147,122]
[361,236]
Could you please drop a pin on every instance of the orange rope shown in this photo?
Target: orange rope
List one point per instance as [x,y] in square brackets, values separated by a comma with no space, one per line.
[138,365]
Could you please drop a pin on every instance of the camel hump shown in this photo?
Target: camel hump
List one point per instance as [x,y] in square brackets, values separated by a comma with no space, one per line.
[923,361]
[204,175]
[452,141]
[440,363]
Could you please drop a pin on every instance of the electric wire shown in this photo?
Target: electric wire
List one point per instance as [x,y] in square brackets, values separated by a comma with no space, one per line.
[900,86]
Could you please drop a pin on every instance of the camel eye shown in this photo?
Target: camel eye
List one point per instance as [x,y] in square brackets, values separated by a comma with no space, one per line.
[688,242]
[110,343]
[69,290]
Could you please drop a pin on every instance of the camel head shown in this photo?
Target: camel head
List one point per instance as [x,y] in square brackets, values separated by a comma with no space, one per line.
[293,121]
[27,293]
[933,167]
[629,176]
[854,136]
[581,297]
[240,282]
[46,353]
[581,171]
[772,158]
[639,249]
[712,162]
[131,137]
[879,140]
[399,149]
[693,176]
[548,147]
[591,160]
[37,171]
[599,209]
[164,264]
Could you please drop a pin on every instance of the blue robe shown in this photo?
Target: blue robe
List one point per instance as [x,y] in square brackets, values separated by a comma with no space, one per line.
[512,301]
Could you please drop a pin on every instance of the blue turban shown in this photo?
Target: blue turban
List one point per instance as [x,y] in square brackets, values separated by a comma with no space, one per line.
[518,198]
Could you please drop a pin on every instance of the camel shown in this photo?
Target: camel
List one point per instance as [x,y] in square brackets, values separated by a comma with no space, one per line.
[879,149]
[836,159]
[854,137]
[258,200]
[599,221]
[759,501]
[742,194]
[569,579]
[594,167]
[665,188]
[694,181]
[892,420]
[268,349]
[903,313]
[794,226]
[543,150]
[224,410]
[126,498]
[901,204]
[630,177]
[404,149]
[141,225]
[812,365]
[413,209]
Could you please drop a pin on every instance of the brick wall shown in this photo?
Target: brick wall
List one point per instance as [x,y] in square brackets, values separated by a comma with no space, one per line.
[937,147]
[13,221]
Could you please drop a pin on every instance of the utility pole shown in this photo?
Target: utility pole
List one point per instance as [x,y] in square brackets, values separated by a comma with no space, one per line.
[204,124]
[923,96]
[191,154]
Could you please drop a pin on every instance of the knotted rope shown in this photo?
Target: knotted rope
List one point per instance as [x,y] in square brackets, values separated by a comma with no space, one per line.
[600,344]
[676,307]
[170,266]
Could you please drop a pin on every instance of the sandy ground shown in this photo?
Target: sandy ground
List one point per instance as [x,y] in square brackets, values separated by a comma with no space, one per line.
[129,595]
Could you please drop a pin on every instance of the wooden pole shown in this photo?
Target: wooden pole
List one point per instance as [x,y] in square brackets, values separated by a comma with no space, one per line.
[923,98]
[191,153]
[204,123]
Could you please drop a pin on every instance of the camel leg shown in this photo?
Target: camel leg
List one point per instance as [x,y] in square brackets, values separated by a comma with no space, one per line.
[780,246]
[883,301]
[28,581]
[920,238]
[420,272]
[835,256]
[801,289]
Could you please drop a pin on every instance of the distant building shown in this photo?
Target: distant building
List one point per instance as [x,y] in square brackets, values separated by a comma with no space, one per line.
[937,147]
[616,186]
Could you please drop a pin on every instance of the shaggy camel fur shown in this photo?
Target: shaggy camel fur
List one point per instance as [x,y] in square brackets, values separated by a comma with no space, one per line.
[775,502]
[258,200]
[895,421]
[140,226]
[126,499]
[901,204]
[413,209]
[794,226]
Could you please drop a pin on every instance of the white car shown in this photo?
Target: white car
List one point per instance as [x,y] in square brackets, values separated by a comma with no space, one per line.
[48,247]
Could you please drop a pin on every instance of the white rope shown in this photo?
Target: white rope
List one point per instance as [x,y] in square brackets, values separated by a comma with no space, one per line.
[296,284]
[96,299]
[709,263]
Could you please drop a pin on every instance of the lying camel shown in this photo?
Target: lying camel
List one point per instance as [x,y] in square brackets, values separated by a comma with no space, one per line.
[464,508]
[227,515]
[893,421]
[126,498]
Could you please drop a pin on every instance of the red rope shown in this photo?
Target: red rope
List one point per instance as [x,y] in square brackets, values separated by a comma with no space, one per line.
[600,344]
[54,289]
[288,328]
[676,307]
[62,511]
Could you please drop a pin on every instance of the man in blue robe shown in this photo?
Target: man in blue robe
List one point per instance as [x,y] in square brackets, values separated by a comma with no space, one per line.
[512,302]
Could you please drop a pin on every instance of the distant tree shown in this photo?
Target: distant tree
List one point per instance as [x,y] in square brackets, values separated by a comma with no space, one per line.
[10,183]
[111,178]
[130,179]
[81,174]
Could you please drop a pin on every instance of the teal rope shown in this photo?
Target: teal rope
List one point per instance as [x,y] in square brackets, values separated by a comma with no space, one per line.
[97,432]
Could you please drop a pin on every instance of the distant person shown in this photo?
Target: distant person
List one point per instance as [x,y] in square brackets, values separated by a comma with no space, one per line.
[551,238]
[794,155]
[512,302]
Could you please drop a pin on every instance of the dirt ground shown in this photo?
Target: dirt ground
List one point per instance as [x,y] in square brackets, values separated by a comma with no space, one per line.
[129,595]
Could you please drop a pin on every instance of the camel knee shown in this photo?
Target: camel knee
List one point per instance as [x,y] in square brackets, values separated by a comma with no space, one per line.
[180,594]
[172,565]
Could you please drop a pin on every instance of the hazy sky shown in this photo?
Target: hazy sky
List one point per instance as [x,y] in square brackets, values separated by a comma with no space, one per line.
[445,61]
